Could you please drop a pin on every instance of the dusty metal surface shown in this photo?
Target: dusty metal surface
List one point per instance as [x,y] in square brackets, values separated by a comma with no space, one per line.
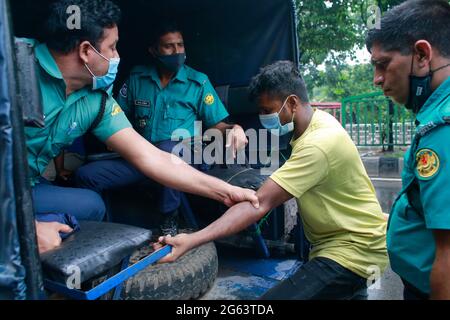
[244,276]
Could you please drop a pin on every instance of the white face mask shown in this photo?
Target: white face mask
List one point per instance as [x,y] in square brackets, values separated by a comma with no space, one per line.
[272,122]
[107,80]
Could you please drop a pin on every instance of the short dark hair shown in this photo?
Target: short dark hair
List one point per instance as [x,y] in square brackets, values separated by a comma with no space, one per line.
[96,15]
[167,26]
[279,80]
[405,24]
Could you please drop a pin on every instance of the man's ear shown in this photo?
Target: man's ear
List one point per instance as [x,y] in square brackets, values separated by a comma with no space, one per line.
[83,51]
[424,53]
[294,102]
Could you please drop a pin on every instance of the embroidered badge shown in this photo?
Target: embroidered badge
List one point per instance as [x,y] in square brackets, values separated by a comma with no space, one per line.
[427,163]
[116,110]
[209,99]
[124,91]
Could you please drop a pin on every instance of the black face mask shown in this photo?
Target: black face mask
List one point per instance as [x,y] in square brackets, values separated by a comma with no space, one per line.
[420,89]
[173,62]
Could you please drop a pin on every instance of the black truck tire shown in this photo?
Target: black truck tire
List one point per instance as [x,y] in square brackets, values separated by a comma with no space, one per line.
[190,277]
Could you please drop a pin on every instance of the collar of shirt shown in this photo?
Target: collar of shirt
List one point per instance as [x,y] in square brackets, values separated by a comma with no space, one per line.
[48,63]
[427,113]
[152,72]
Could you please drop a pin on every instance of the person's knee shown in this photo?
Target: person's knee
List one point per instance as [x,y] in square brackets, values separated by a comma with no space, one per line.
[90,177]
[83,177]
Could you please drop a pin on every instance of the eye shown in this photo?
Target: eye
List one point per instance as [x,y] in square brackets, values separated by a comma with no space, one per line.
[383,65]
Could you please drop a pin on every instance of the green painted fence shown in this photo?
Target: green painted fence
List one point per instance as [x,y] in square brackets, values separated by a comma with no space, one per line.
[373,120]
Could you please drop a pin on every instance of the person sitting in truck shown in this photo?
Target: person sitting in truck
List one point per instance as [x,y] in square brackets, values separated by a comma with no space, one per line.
[160,99]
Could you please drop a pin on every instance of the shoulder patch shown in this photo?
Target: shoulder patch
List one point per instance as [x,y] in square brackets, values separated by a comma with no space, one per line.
[428,163]
[116,109]
[209,99]
[124,91]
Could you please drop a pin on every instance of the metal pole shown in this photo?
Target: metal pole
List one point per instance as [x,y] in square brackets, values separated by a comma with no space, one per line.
[24,203]
[391,127]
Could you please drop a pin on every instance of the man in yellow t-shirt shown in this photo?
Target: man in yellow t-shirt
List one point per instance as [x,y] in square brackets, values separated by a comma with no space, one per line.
[341,215]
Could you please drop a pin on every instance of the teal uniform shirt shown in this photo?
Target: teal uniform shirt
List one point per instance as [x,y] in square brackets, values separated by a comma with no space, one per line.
[157,112]
[423,204]
[66,118]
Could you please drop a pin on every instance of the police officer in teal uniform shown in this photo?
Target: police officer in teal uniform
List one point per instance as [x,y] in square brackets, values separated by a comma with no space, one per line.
[159,100]
[76,68]
[411,55]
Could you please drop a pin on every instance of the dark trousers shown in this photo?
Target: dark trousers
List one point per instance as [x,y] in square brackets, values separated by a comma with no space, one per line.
[412,293]
[112,174]
[81,203]
[320,279]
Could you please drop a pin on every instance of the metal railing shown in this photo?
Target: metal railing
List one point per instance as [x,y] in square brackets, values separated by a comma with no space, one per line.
[374,120]
[333,108]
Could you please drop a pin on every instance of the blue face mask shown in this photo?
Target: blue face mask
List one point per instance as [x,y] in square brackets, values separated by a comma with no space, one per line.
[106,81]
[272,122]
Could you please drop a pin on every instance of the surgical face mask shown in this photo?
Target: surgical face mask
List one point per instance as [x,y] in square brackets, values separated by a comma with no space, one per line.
[173,62]
[106,81]
[272,122]
[420,89]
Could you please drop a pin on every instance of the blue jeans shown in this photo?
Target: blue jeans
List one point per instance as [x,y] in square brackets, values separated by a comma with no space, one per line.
[81,203]
[112,174]
[320,279]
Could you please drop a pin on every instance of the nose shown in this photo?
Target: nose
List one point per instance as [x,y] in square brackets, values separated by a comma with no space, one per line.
[179,50]
[378,79]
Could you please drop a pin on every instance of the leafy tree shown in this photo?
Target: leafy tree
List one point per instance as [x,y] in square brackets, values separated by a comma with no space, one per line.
[338,81]
[329,32]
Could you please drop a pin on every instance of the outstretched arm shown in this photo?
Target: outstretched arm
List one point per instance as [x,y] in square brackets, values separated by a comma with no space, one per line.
[171,171]
[236,219]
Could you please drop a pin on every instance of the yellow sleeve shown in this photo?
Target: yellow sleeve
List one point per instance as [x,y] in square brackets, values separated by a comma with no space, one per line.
[306,168]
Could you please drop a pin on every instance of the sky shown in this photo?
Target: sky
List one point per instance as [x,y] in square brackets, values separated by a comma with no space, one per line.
[362,56]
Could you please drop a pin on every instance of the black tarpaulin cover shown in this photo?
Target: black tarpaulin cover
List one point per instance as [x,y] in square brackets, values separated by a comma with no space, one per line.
[229,40]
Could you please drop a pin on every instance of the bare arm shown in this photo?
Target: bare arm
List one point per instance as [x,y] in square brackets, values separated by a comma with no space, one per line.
[236,219]
[440,278]
[171,171]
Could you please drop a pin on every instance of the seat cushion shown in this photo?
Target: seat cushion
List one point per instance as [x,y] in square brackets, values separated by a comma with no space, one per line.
[96,248]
